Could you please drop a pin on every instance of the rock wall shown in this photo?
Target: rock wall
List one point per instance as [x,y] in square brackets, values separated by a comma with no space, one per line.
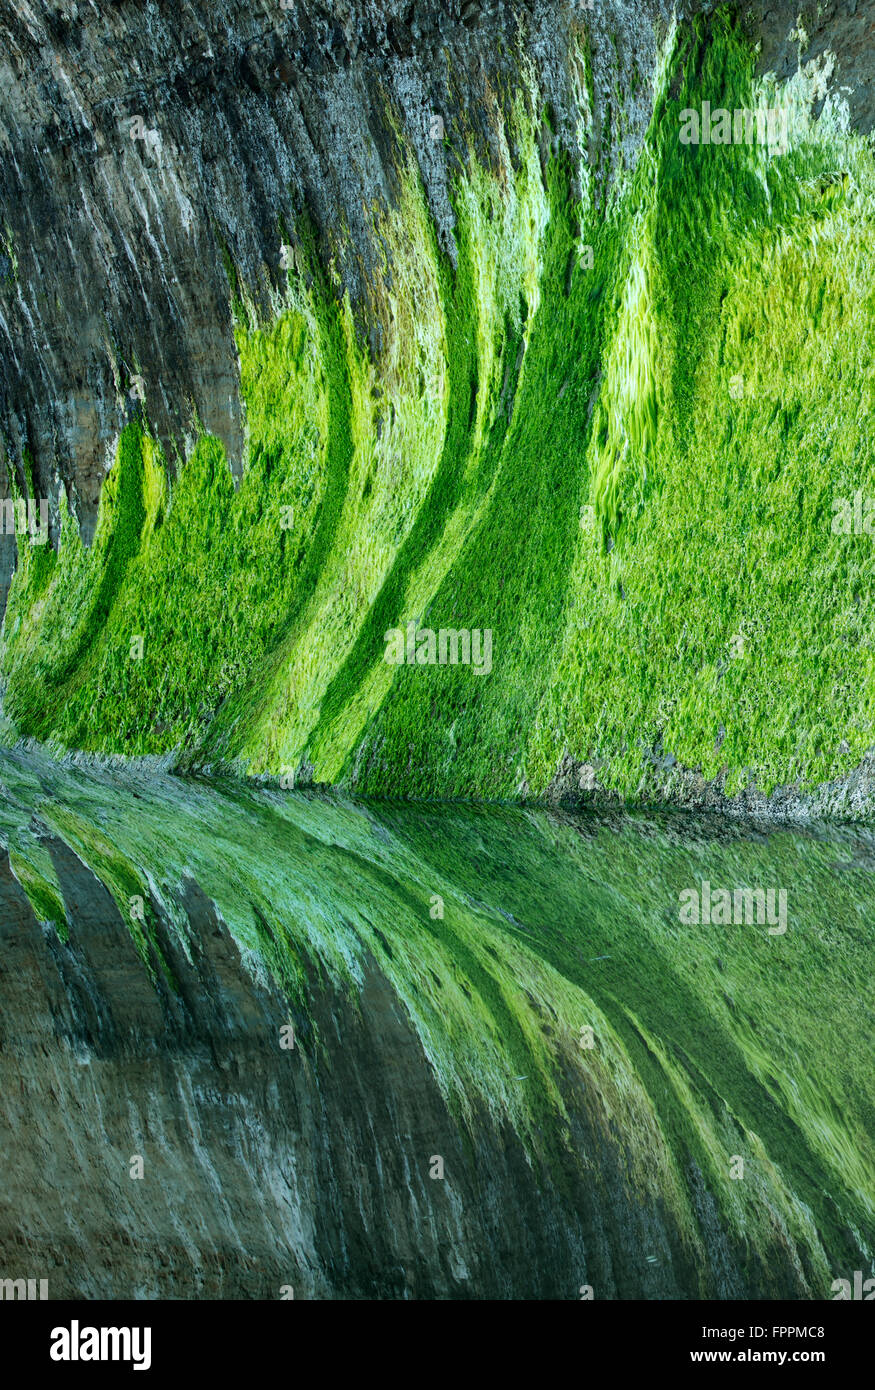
[152,283]
[112,266]
[420,1034]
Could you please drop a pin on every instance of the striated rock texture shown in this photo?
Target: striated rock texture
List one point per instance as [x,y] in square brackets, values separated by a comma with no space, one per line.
[111,258]
[264,1168]
[318,323]
[111,262]
[620,1101]
[322,326]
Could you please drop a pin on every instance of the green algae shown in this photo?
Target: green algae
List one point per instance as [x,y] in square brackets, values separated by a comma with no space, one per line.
[36,875]
[708,1043]
[614,436]
[7,249]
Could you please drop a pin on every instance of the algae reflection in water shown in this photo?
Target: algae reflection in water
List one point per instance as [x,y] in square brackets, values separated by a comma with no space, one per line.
[549,986]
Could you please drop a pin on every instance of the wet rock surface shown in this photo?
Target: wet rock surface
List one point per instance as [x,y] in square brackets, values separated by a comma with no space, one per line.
[113,280]
[266,1167]
[261,1169]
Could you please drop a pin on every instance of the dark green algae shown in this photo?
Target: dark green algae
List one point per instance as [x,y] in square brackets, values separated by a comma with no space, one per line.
[506,934]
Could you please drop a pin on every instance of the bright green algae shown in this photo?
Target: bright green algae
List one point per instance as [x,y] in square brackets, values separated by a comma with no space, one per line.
[710,1042]
[626,472]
